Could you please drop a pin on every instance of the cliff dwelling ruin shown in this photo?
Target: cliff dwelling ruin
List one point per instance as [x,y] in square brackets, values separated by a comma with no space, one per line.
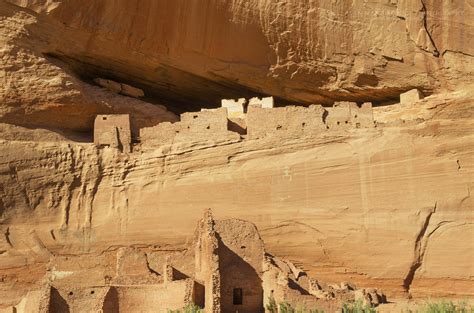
[252,119]
[225,269]
[333,141]
[113,131]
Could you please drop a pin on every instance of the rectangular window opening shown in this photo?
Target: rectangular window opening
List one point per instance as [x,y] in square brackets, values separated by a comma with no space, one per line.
[238,296]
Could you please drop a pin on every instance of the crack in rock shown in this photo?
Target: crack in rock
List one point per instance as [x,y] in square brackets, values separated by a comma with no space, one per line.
[425,25]
[419,251]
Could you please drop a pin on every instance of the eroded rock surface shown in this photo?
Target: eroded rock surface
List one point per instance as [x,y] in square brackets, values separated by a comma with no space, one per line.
[388,206]
[338,204]
[194,53]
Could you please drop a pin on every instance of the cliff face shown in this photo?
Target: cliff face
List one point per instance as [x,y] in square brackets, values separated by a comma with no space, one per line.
[389,207]
[195,53]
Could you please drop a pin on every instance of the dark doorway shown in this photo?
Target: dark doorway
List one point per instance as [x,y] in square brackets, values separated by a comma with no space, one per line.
[238,296]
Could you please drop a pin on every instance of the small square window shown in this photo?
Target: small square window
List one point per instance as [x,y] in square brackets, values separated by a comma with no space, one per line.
[238,296]
[104,118]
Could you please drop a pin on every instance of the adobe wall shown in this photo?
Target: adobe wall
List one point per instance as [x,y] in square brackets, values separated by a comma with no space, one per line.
[206,261]
[161,134]
[34,301]
[228,255]
[204,123]
[86,299]
[347,115]
[258,120]
[193,127]
[143,298]
[113,130]
[265,102]
[235,108]
[123,279]
[339,116]
[363,116]
[132,268]
[124,298]
[289,120]
[241,254]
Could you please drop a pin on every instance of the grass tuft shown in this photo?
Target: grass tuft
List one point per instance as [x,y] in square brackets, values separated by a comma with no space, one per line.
[285,307]
[357,307]
[190,308]
[443,306]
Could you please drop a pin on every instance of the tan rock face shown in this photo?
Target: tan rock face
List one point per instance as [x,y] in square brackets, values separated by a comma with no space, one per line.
[300,51]
[338,205]
[38,91]
[386,206]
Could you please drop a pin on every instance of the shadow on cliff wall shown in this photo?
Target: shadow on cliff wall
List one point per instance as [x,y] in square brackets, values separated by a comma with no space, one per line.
[236,274]
[178,90]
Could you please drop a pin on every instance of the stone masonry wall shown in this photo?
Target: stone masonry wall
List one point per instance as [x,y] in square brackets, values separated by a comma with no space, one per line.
[207,269]
[193,127]
[345,115]
[260,120]
[113,130]
[292,120]
[241,253]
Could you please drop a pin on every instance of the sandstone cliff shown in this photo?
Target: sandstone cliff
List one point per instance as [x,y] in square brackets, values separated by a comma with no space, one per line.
[193,53]
[389,207]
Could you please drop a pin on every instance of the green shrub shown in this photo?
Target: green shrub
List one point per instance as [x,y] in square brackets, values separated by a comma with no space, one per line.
[285,307]
[444,306]
[272,305]
[357,307]
[190,308]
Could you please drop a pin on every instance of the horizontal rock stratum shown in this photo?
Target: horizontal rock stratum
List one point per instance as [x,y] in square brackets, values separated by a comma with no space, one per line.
[387,206]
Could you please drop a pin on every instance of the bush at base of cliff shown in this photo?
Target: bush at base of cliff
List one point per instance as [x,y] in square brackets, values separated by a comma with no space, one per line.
[357,307]
[191,308]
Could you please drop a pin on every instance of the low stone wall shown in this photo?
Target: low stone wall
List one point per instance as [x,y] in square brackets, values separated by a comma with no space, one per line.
[161,134]
[204,123]
[260,120]
[345,115]
[128,298]
[193,127]
[289,120]
[161,297]
[77,299]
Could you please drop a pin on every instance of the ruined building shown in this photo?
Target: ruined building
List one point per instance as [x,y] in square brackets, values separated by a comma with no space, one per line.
[113,130]
[291,120]
[257,118]
[102,217]
[350,115]
[225,269]
[194,126]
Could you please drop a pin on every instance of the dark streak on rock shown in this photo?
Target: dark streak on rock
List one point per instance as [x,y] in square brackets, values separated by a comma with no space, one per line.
[425,25]
[52,234]
[7,237]
[419,252]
